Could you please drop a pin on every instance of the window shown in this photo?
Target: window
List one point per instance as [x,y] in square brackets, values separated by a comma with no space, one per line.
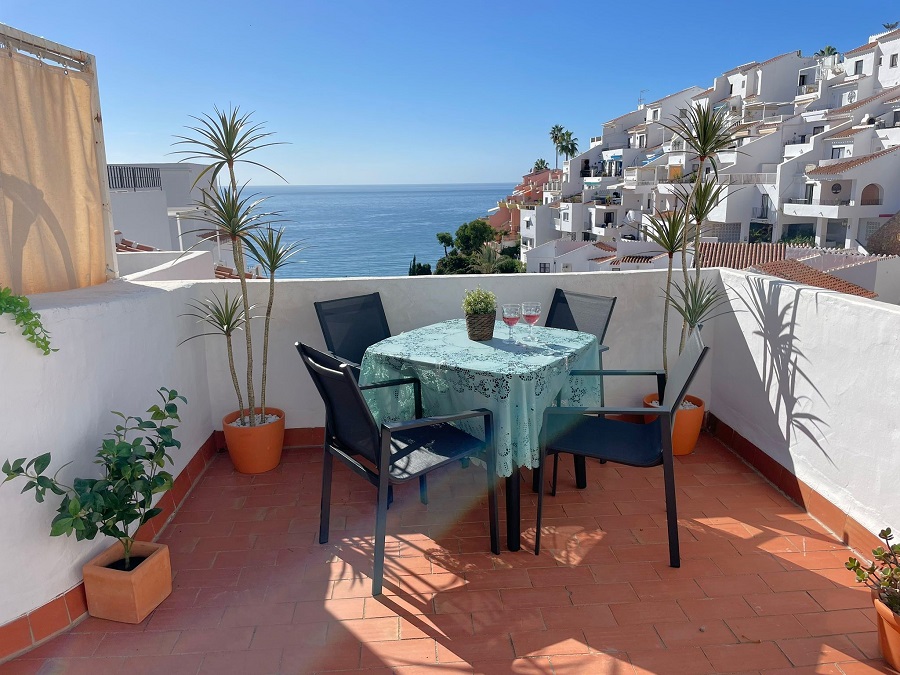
[730,88]
[642,141]
[837,152]
[801,81]
[565,215]
[836,189]
[682,112]
[655,114]
[857,67]
[818,130]
[543,267]
[894,60]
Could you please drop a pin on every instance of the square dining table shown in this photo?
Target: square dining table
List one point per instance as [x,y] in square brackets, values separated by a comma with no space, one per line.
[515,379]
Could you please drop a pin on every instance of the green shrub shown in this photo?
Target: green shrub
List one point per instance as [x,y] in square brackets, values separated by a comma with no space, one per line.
[479,301]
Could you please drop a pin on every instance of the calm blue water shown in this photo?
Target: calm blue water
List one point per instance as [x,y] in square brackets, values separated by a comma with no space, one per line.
[374,230]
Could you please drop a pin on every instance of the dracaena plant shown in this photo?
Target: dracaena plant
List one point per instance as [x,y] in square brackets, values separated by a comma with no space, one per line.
[224,140]
[117,503]
[883,574]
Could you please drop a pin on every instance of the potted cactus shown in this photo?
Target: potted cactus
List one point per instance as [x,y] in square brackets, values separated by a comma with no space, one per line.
[480,307]
[882,576]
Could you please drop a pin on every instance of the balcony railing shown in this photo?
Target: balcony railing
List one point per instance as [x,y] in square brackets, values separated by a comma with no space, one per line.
[761,213]
[122,177]
[553,186]
[822,202]
[805,89]
[746,178]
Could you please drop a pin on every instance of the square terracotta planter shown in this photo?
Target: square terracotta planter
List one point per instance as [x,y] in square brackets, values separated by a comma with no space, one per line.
[130,596]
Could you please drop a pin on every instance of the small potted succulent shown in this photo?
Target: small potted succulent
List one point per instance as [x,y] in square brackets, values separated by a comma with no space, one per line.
[129,580]
[882,576]
[480,307]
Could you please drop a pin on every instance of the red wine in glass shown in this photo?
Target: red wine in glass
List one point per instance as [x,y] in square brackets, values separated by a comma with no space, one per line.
[510,315]
[531,312]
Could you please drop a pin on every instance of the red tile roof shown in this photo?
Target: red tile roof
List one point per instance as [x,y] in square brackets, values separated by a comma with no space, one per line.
[666,98]
[603,246]
[862,102]
[707,92]
[841,167]
[739,255]
[126,246]
[780,56]
[863,48]
[848,132]
[796,271]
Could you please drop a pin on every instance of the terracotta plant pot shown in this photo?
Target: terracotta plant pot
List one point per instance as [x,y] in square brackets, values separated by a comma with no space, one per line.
[254,449]
[480,327]
[688,423]
[888,634]
[129,596]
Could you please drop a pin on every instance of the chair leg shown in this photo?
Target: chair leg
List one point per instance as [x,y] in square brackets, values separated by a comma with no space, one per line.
[580,472]
[555,473]
[535,485]
[671,509]
[380,534]
[423,489]
[325,507]
[540,496]
[493,510]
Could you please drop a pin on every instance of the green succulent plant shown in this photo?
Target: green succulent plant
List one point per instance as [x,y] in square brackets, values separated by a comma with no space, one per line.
[479,301]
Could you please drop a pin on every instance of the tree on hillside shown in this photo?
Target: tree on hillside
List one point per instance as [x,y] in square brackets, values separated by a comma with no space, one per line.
[827,50]
[568,145]
[556,132]
[507,265]
[540,165]
[484,260]
[417,269]
[473,235]
[891,26]
[445,239]
[454,263]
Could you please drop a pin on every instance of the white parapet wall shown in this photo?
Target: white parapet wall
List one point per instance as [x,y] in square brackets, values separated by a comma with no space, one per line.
[120,341]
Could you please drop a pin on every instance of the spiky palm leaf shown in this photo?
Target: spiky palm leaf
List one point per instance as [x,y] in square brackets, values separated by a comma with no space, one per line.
[705,131]
[556,132]
[266,248]
[225,316]
[540,165]
[223,141]
[568,144]
[697,302]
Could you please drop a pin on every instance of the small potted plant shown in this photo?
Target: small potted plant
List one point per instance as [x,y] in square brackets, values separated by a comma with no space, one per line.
[882,576]
[480,307]
[130,579]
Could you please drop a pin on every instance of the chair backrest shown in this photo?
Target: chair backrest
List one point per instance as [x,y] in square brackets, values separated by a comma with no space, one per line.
[348,419]
[577,311]
[352,325]
[683,371]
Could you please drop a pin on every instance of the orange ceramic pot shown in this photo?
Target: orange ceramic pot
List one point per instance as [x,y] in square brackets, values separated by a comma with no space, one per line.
[888,634]
[128,596]
[254,449]
[688,423]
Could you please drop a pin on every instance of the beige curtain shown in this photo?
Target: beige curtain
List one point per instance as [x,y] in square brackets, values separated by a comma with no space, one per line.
[51,219]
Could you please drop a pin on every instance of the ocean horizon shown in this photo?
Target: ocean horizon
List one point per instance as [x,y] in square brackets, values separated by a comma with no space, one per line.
[373,230]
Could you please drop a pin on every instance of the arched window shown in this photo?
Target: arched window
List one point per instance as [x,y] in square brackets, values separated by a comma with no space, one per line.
[872,195]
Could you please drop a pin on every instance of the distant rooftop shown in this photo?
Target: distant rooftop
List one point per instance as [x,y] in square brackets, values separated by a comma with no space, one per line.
[796,271]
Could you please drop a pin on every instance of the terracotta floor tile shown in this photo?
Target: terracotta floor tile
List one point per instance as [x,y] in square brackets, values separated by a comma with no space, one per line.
[256,593]
[767,628]
[171,664]
[826,649]
[746,656]
[872,667]
[678,661]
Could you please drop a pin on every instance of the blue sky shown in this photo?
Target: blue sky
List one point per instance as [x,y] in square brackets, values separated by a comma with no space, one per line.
[369,92]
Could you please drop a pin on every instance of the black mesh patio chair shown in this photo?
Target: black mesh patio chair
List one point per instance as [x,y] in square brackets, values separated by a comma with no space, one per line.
[352,325]
[587,432]
[588,314]
[395,453]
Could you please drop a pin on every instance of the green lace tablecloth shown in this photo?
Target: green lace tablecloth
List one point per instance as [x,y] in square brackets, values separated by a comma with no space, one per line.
[517,382]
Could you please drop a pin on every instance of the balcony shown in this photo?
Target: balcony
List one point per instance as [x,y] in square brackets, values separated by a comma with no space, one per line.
[762,213]
[761,586]
[133,178]
[747,178]
[807,89]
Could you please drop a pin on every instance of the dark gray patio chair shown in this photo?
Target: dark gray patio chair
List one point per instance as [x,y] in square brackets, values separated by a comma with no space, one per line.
[395,453]
[588,314]
[587,432]
[352,325]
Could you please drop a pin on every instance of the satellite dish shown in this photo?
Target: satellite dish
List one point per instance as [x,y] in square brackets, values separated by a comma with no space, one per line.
[851,96]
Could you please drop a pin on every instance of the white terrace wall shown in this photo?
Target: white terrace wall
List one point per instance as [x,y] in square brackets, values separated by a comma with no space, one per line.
[119,342]
[810,377]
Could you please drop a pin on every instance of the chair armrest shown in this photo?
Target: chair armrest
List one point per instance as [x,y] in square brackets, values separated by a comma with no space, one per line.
[414,381]
[604,410]
[587,373]
[391,427]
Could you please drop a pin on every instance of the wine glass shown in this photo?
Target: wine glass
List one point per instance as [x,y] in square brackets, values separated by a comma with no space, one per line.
[531,312]
[511,314]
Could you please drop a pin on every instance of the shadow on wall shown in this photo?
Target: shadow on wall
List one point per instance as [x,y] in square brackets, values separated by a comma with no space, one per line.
[783,362]
[30,217]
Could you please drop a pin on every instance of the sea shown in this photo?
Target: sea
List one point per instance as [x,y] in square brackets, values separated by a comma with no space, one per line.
[373,230]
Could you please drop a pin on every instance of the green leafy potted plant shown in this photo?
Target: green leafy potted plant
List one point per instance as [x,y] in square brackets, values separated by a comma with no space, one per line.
[480,308]
[130,579]
[882,576]
[254,433]
[26,318]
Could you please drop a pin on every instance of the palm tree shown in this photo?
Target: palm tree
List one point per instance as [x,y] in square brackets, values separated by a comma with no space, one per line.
[568,145]
[827,50]
[540,165]
[667,230]
[891,26]
[556,132]
[483,261]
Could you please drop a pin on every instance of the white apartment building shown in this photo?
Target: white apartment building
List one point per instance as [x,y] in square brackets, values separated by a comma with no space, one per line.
[814,155]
